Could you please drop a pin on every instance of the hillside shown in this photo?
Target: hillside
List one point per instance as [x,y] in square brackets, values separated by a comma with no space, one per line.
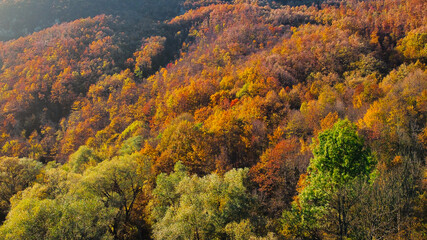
[22,17]
[213,120]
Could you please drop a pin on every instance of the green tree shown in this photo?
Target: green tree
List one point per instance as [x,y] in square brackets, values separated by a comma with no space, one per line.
[16,174]
[131,145]
[82,158]
[191,207]
[83,218]
[239,231]
[341,164]
[56,207]
[31,218]
[117,183]
[61,218]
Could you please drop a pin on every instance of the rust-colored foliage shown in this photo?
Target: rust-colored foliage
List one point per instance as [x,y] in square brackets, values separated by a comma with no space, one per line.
[227,84]
[278,173]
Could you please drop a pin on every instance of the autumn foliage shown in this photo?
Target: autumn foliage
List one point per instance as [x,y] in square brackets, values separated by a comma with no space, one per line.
[136,117]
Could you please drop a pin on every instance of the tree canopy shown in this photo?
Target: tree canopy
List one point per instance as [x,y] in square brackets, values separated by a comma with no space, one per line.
[213,119]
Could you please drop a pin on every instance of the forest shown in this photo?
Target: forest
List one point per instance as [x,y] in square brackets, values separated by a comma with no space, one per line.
[210,119]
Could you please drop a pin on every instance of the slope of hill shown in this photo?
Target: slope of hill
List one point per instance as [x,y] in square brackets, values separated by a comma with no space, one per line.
[233,120]
[20,18]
